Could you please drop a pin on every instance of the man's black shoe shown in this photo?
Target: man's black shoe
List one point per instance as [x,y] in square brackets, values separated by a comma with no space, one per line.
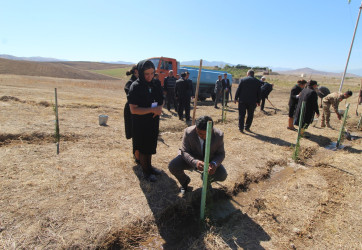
[247,129]
[185,186]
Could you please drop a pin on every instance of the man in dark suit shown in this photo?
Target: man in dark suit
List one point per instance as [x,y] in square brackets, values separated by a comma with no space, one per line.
[226,87]
[183,92]
[248,94]
[191,155]
[169,88]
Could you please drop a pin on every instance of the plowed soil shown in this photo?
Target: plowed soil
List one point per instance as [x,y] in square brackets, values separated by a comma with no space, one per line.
[92,195]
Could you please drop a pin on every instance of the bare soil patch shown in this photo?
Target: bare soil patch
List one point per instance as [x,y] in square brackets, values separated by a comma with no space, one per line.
[34,138]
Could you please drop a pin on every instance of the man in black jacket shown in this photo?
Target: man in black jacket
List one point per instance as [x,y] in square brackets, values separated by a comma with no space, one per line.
[265,89]
[183,92]
[226,87]
[169,87]
[248,94]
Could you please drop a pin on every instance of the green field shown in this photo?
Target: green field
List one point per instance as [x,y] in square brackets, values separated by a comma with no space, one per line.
[118,73]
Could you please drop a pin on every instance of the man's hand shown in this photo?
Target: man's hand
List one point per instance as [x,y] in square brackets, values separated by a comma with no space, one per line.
[200,165]
[339,116]
[212,168]
[157,111]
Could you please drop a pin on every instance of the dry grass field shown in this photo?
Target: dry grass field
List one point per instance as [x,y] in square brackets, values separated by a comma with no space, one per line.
[92,194]
[70,70]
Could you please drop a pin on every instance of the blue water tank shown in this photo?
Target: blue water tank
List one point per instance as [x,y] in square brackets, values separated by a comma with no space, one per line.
[208,76]
[208,79]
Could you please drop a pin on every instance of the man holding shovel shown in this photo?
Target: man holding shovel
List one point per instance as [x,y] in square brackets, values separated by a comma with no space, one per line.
[265,89]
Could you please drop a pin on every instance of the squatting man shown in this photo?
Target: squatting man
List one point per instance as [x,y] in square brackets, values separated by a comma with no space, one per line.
[192,153]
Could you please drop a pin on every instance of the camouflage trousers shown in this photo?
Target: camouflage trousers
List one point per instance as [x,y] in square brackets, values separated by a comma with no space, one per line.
[326,113]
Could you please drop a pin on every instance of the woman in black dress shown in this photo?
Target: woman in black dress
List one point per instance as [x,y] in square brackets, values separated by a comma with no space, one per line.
[310,97]
[146,101]
[293,101]
[127,111]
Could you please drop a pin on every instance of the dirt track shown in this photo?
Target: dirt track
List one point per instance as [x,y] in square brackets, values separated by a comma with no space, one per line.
[93,195]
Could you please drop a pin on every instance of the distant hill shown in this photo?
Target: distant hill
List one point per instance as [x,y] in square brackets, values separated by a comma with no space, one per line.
[49,59]
[206,63]
[92,65]
[72,70]
[119,62]
[309,72]
[33,58]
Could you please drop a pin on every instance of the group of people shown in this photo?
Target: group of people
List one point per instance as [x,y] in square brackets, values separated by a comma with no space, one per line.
[145,100]
[308,93]
[222,86]
[179,92]
[250,92]
[142,112]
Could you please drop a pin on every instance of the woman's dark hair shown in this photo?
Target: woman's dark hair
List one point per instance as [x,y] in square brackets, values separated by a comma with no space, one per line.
[142,66]
[302,81]
[201,122]
[131,72]
[349,93]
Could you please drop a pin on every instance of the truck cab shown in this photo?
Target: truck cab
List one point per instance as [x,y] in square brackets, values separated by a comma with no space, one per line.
[163,65]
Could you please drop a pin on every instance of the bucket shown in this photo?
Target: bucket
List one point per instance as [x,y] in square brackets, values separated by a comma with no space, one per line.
[341,111]
[103,120]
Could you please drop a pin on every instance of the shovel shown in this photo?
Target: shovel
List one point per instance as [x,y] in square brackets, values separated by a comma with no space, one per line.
[275,109]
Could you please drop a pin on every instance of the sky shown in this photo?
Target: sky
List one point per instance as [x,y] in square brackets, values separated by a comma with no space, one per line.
[278,33]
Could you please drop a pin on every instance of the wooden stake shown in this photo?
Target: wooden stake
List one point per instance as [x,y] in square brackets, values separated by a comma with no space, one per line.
[223,107]
[342,127]
[297,144]
[360,121]
[57,135]
[350,49]
[206,169]
[196,94]
[359,98]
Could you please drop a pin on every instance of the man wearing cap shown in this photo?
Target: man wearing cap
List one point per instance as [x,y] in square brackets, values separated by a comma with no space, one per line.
[248,95]
[265,90]
[218,90]
[183,95]
[226,87]
[192,153]
[333,100]
[169,87]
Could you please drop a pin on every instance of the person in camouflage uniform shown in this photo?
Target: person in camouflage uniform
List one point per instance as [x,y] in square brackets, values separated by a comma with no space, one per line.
[333,100]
